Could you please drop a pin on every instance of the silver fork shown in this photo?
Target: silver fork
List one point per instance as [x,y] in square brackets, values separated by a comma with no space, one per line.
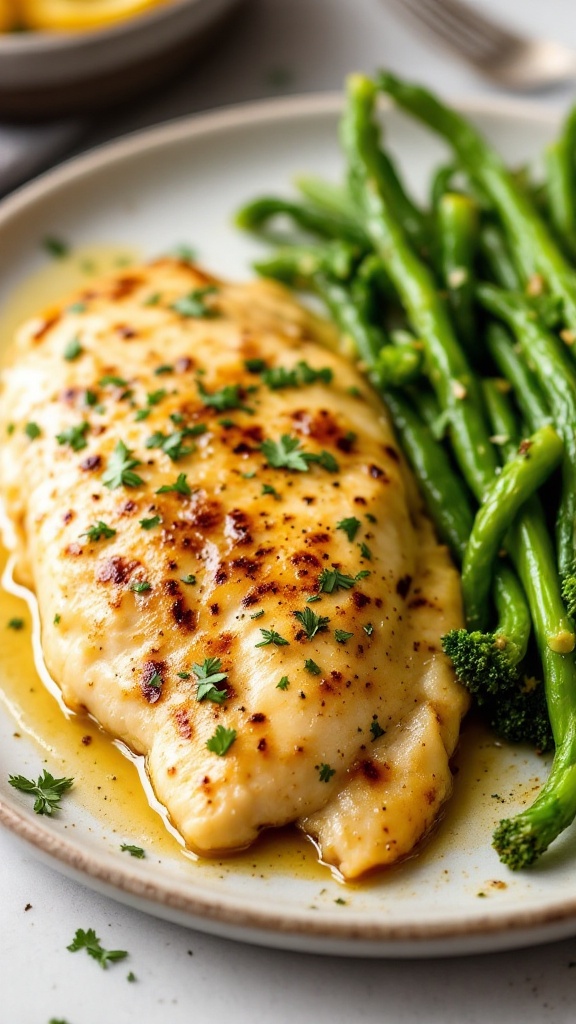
[509,59]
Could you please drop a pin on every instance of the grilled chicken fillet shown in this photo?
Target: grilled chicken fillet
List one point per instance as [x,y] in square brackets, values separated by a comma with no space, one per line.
[234,573]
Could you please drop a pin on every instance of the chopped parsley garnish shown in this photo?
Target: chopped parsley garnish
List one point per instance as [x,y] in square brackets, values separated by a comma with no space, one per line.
[312,623]
[278,377]
[10,429]
[255,365]
[32,430]
[134,851]
[228,397]
[221,741]
[155,681]
[90,397]
[183,252]
[117,382]
[270,636]
[153,397]
[325,772]
[142,414]
[153,299]
[190,579]
[140,587]
[312,667]
[184,675]
[376,729]
[342,636]
[120,466]
[73,349]
[268,489]
[56,247]
[77,307]
[180,486]
[283,684]
[287,453]
[75,437]
[371,518]
[150,523]
[194,305]
[350,526]
[309,375]
[258,615]
[248,476]
[163,368]
[15,624]
[312,598]
[208,675]
[89,941]
[99,531]
[332,579]
[365,551]
[227,423]
[57,619]
[171,444]
[47,790]
[368,628]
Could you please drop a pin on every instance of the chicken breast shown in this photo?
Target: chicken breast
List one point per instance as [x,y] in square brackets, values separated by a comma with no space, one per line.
[232,566]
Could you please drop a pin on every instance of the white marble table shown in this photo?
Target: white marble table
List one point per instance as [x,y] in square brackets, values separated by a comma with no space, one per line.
[183,976]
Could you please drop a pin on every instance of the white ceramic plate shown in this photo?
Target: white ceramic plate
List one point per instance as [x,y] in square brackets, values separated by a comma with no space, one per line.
[181,183]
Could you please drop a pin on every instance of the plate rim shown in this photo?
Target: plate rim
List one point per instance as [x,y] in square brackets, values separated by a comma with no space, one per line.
[103,868]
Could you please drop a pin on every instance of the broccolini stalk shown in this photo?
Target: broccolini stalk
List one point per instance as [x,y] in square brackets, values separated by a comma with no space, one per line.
[521,477]
[547,358]
[534,248]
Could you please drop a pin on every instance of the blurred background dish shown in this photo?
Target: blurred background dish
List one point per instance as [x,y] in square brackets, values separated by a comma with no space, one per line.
[79,57]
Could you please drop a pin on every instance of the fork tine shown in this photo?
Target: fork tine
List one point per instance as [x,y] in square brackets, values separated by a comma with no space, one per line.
[461,27]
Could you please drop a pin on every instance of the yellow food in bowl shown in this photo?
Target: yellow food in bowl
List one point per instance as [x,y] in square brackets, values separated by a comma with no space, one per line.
[69,15]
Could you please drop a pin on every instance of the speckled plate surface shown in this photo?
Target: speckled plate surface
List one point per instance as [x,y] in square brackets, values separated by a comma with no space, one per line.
[181,183]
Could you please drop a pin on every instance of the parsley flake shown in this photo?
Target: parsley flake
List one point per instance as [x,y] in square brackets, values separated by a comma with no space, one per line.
[120,465]
[258,615]
[171,444]
[73,349]
[77,307]
[208,675]
[255,365]
[15,624]
[150,523]
[312,623]
[312,667]
[287,453]
[55,247]
[153,397]
[190,579]
[342,636]
[309,375]
[278,377]
[368,628]
[47,790]
[221,741]
[75,436]
[32,430]
[117,382]
[89,941]
[268,489]
[57,619]
[365,551]
[194,305]
[376,729]
[270,636]
[325,772]
[350,526]
[140,586]
[99,531]
[134,851]
[180,486]
[283,684]
[332,579]
[226,398]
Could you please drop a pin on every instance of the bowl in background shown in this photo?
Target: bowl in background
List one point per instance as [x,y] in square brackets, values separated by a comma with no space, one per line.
[52,74]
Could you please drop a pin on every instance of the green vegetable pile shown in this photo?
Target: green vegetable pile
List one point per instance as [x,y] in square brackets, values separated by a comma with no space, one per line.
[463,316]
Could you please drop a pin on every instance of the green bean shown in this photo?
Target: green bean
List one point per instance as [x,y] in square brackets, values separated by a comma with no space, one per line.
[527,391]
[457,217]
[449,372]
[534,248]
[520,478]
